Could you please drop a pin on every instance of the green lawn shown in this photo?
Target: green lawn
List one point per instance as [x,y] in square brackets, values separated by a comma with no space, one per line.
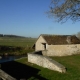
[72,63]
[22,42]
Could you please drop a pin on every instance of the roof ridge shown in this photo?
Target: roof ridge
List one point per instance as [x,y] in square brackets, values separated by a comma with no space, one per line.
[55,35]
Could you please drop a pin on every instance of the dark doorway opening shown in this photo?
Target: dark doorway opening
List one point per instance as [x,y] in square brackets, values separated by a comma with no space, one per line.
[44,46]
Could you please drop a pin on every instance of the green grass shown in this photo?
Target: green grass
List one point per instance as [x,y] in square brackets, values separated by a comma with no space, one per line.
[23,42]
[72,63]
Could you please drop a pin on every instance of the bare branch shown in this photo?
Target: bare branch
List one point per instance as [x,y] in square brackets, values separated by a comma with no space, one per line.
[65,9]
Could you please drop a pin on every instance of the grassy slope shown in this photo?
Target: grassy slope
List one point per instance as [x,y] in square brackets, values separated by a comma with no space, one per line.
[72,63]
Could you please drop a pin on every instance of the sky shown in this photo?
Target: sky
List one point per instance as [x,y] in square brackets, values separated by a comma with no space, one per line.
[28,18]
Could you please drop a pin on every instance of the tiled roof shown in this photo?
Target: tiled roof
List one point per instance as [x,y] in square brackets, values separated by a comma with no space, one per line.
[61,39]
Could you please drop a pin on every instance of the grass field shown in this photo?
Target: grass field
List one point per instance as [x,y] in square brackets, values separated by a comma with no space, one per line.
[72,63]
[22,42]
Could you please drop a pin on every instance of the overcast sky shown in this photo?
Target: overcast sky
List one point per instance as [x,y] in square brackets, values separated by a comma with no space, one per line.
[28,18]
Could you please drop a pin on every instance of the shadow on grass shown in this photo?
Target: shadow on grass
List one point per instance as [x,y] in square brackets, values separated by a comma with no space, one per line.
[20,71]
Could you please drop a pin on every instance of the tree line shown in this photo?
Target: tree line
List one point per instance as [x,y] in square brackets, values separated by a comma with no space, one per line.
[5,35]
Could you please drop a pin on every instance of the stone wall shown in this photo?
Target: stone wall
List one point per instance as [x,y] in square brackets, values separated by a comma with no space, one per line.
[39,44]
[5,76]
[45,62]
[62,50]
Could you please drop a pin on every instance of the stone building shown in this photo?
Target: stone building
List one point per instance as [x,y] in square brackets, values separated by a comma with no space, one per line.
[58,45]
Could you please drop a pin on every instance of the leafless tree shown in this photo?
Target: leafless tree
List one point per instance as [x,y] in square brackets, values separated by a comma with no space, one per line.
[63,10]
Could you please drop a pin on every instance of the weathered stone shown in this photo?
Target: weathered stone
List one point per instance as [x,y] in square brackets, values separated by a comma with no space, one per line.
[46,62]
[62,50]
[5,76]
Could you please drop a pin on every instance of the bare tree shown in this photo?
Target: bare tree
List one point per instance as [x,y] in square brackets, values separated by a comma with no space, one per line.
[65,9]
